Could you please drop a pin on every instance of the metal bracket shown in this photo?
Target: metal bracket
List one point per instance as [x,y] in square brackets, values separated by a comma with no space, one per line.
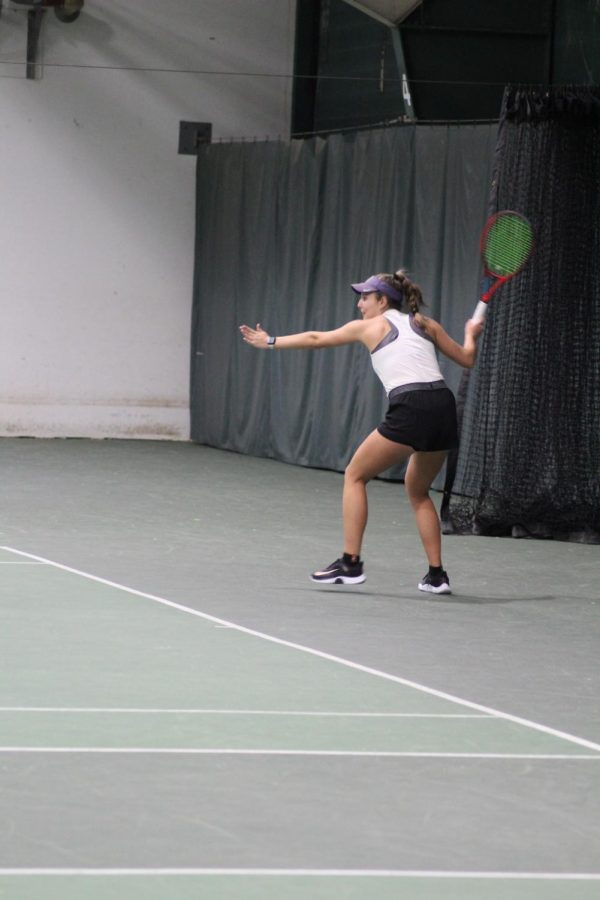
[35,17]
[192,135]
[65,11]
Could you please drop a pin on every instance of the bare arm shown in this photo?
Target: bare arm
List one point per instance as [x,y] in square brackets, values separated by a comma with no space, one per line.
[467,354]
[350,333]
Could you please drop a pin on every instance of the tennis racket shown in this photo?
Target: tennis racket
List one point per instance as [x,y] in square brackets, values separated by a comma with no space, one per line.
[506,245]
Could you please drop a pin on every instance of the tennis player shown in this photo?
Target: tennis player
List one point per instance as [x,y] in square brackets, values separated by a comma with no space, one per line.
[420,424]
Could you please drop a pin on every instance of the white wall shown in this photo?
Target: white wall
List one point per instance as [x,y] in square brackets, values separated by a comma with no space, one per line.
[97,207]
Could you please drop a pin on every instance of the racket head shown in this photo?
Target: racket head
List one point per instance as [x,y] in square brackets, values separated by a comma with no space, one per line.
[506,243]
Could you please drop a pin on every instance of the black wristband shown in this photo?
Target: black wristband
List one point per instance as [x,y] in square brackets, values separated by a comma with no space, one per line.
[271,341]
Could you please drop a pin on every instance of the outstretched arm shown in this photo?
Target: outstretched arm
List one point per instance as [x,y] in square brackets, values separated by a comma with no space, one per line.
[467,354]
[307,340]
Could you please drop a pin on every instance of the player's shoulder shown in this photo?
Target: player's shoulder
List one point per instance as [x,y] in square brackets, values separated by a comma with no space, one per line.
[431,328]
[426,323]
[366,331]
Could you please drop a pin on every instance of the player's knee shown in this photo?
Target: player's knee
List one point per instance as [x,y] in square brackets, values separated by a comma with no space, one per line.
[417,494]
[350,473]
[353,473]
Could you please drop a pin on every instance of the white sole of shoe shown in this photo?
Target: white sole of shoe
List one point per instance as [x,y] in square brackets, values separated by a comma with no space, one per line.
[430,589]
[339,579]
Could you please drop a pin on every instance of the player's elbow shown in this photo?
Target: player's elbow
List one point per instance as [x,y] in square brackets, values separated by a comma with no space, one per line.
[318,339]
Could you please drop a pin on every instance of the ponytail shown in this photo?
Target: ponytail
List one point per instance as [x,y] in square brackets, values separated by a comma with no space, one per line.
[411,292]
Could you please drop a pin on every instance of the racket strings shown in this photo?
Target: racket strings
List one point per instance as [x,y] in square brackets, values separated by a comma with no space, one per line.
[508,244]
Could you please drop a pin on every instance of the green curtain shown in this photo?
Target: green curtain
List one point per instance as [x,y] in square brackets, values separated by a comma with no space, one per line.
[283,228]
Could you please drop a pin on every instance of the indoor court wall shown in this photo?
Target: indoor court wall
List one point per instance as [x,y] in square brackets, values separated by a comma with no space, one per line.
[98,207]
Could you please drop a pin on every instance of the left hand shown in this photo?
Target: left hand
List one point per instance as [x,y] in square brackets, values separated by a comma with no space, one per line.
[257,337]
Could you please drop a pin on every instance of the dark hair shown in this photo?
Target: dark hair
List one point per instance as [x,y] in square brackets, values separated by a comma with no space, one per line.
[413,298]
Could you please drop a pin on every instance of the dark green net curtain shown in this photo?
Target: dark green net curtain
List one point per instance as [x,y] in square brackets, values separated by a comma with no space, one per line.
[283,228]
[529,460]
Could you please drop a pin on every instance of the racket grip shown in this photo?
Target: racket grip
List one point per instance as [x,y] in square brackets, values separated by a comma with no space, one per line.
[480,312]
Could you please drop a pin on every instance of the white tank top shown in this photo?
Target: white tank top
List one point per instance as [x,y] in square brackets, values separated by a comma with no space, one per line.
[406,355]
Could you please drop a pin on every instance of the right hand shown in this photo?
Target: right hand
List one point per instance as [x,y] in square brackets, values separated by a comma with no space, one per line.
[473,328]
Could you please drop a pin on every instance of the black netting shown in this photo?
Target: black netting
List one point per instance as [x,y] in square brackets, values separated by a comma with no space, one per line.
[529,460]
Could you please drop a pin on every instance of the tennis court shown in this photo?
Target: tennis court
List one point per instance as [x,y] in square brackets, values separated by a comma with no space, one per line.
[184,715]
[195,703]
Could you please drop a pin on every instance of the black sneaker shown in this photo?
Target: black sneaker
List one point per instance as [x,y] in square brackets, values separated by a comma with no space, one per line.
[340,572]
[435,584]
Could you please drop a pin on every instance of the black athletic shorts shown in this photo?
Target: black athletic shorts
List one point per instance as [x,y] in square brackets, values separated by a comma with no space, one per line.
[422,416]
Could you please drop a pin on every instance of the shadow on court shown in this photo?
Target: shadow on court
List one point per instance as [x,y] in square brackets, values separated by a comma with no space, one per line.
[428,598]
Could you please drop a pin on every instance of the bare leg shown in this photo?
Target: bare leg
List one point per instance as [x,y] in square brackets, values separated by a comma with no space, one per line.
[374,456]
[422,469]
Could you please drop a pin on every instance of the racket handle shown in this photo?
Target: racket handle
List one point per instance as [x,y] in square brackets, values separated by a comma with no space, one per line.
[480,311]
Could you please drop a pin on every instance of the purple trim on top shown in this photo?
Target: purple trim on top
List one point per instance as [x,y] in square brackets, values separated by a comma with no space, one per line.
[419,330]
[390,337]
[417,386]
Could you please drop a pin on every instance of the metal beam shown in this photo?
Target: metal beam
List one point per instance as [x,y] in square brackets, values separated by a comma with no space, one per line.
[409,110]
[388,12]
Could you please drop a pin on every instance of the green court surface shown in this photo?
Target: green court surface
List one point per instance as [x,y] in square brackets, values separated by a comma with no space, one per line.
[119,648]
[293,887]
[153,748]
[126,705]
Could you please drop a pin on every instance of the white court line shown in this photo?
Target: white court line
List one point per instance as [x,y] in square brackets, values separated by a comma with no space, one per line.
[236,751]
[527,723]
[244,712]
[320,873]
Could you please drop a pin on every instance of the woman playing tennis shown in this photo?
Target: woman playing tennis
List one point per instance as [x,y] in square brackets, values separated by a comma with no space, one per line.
[420,424]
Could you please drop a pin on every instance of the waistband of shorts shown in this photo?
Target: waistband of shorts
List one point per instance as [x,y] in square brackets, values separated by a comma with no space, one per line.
[417,386]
